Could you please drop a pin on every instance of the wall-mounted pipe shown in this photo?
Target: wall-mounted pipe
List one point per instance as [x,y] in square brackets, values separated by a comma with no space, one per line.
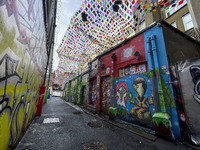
[156,63]
[150,68]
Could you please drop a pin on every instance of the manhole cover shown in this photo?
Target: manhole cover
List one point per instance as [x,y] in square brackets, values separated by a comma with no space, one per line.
[77,113]
[94,146]
[95,123]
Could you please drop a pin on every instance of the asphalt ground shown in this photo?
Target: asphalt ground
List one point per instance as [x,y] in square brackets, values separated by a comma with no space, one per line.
[64,126]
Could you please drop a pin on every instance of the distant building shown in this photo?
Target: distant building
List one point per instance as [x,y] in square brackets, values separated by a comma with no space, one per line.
[183,15]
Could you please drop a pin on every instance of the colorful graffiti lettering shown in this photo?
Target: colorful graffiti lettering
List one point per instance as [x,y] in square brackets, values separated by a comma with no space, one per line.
[18,97]
[93,93]
[141,109]
[195,73]
[23,59]
[105,92]
[121,90]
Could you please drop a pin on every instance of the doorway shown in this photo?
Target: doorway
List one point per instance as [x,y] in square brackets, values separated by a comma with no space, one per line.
[105,94]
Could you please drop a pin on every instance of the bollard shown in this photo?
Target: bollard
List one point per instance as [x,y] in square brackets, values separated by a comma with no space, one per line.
[40,102]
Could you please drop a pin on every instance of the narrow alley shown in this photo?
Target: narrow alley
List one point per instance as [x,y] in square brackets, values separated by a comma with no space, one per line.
[99,74]
[69,130]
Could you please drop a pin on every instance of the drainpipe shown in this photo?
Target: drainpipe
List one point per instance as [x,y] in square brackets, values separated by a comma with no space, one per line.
[150,66]
[113,73]
[160,90]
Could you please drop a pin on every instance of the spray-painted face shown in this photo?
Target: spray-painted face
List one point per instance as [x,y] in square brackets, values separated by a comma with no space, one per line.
[121,91]
[140,86]
[139,89]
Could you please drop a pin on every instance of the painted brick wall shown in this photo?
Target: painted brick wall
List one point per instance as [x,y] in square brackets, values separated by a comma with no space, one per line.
[23,60]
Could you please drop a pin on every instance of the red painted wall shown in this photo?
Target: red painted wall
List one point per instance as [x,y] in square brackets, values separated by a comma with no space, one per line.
[124,58]
[124,55]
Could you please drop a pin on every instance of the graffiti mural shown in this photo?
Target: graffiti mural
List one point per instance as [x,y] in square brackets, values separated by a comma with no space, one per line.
[106,93]
[189,74]
[134,96]
[195,73]
[141,109]
[179,102]
[121,91]
[73,90]
[93,92]
[22,63]
[85,84]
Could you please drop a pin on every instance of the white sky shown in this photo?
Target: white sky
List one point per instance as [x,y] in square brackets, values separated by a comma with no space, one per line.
[66,9]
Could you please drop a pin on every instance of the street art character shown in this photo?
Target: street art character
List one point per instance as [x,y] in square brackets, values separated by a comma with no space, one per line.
[122,90]
[195,73]
[141,109]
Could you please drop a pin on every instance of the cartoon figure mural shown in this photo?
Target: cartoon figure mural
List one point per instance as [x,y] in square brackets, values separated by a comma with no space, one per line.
[134,100]
[141,109]
[195,73]
[121,90]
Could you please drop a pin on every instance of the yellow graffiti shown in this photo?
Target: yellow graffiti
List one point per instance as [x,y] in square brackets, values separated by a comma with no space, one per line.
[4,130]
[18,112]
[31,97]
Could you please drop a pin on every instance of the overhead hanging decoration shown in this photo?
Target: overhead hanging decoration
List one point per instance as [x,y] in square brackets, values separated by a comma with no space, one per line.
[101,24]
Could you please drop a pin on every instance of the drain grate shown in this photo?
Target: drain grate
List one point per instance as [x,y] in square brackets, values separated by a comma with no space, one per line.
[95,123]
[94,146]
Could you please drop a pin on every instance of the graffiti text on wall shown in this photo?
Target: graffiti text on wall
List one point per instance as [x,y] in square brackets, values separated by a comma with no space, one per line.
[18,97]
[195,73]
[136,69]
[23,58]
[105,91]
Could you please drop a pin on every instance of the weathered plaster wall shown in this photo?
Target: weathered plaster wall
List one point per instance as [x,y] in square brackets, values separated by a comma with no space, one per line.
[22,64]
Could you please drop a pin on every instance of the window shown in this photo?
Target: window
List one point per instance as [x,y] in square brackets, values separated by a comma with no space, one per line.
[187,21]
[142,26]
[175,7]
[174,24]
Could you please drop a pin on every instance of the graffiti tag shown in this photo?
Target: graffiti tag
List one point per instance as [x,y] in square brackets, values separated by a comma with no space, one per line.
[195,73]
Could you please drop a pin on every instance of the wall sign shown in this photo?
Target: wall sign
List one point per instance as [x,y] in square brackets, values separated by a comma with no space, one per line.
[136,69]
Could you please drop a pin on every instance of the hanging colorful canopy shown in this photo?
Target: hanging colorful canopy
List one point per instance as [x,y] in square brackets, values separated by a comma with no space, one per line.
[61,76]
[101,24]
